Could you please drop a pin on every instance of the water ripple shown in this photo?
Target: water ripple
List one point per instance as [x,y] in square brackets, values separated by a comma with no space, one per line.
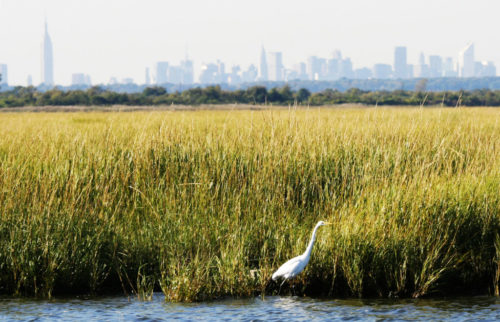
[255,309]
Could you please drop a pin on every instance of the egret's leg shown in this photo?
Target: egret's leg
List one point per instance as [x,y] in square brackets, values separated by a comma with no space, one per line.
[279,291]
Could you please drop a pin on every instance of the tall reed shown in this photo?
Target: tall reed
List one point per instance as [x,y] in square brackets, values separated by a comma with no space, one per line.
[207,204]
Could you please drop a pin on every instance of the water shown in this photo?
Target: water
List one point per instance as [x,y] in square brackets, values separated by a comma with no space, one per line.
[268,309]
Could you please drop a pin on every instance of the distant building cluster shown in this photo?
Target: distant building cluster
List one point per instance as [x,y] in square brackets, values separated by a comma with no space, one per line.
[436,66]
[216,73]
[167,73]
[271,68]
[80,79]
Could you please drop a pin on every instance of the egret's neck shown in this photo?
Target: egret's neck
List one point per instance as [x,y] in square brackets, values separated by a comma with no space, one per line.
[311,243]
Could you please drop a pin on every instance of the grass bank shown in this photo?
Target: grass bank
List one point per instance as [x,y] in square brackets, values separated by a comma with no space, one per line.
[208,204]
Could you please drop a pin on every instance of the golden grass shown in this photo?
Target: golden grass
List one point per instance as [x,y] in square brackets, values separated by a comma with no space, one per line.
[207,204]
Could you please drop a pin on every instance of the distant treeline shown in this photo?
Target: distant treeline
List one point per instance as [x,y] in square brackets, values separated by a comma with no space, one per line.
[342,85]
[258,95]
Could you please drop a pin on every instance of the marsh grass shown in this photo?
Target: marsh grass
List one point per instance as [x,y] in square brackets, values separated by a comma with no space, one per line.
[202,205]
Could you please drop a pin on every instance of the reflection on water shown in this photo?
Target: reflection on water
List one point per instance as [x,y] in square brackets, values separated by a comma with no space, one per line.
[270,308]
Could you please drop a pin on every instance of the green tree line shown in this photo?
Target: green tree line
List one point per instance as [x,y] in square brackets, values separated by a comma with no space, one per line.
[257,95]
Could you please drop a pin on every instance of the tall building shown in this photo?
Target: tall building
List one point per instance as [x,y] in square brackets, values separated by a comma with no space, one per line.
[214,73]
[175,74]
[250,75]
[334,65]
[209,73]
[187,71]
[47,59]
[323,69]
[80,79]
[127,81]
[466,61]
[161,72]
[263,74]
[362,73]
[410,68]
[235,75]
[485,69]
[3,75]
[337,54]
[400,63]
[333,68]
[221,70]
[422,69]
[382,71]
[300,70]
[435,66]
[449,68]
[346,68]
[490,70]
[147,77]
[276,66]
[313,68]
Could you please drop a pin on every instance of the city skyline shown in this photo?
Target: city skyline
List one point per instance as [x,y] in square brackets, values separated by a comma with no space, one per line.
[337,67]
[271,68]
[121,38]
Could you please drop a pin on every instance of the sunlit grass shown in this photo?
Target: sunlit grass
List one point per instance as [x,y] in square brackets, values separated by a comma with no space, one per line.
[208,204]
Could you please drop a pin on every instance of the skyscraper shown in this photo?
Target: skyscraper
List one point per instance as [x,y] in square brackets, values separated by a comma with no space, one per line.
[346,68]
[147,77]
[337,54]
[489,69]
[80,79]
[400,64]
[382,71]
[263,75]
[466,61]
[250,75]
[363,73]
[313,68]
[47,59]
[161,72]
[449,68]
[485,69]
[175,74]
[209,73]
[333,72]
[435,66]
[187,71]
[276,66]
[3,75]
[422,69]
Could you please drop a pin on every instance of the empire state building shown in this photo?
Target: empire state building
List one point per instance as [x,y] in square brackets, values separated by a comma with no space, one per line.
[47,59]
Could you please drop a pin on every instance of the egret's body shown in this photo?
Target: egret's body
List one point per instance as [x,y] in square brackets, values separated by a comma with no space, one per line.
[294,266]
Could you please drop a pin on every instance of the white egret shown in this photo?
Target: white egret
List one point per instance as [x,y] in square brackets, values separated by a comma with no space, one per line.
[294,266]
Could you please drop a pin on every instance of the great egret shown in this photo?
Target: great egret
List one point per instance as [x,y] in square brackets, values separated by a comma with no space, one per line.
[294,266]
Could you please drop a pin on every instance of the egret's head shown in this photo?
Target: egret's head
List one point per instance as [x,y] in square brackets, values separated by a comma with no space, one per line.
[323,223]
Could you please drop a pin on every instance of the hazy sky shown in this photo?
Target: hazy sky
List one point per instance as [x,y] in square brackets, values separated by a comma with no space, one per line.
[121,38]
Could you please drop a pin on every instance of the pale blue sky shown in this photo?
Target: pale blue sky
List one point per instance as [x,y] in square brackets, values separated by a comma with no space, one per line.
[120,38]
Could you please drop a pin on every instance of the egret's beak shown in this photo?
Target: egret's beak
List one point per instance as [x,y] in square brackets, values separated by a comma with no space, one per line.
[328,223]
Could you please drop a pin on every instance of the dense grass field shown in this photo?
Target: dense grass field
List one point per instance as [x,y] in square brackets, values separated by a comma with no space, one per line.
[207,204]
